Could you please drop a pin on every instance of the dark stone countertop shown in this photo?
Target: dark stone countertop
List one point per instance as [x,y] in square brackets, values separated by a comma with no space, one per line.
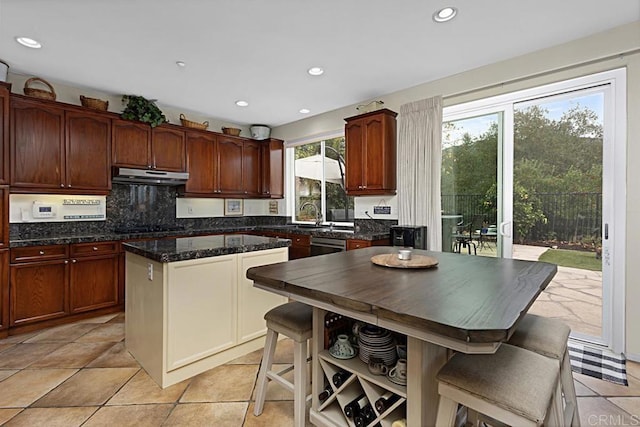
[111,236]
[186,248]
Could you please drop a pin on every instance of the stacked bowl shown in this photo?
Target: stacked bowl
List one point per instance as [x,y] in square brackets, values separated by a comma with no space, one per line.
[378,343]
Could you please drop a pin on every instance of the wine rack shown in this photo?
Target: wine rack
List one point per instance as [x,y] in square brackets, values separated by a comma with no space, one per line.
[360,381]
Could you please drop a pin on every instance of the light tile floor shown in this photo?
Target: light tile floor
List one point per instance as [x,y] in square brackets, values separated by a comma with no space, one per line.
[81,375]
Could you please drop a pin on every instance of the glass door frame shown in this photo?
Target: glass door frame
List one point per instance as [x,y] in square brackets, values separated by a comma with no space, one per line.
[613,185]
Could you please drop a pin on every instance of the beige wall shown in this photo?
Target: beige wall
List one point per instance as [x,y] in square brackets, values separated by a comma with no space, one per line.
[613,49]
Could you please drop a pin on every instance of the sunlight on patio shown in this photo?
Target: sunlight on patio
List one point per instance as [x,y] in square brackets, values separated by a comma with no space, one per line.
[573,296]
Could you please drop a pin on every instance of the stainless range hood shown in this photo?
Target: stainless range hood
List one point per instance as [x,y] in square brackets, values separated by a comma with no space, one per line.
[148,177]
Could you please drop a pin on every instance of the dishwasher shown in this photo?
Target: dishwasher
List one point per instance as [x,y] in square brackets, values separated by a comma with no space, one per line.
[323,245]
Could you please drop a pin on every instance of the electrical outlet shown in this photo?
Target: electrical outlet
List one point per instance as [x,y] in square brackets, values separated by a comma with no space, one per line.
[149,271]
[190,210]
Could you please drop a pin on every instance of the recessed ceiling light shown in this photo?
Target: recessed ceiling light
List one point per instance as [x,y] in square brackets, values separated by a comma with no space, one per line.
[305,111]
[445,14]
[241,103]
[181,64]
[315,71]
[28,42]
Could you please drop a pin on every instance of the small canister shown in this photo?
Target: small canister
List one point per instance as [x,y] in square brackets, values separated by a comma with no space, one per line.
[404,254]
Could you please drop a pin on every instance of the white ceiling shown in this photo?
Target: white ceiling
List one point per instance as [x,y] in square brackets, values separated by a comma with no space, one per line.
[260,50]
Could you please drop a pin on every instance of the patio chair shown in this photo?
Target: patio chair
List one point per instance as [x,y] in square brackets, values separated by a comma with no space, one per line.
[463,238]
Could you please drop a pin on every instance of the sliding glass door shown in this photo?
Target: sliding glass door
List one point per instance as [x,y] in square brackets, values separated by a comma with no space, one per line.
[535,175]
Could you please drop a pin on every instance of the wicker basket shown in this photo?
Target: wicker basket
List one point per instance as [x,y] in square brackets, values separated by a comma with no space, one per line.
[231,131]
[96,104]
[39,93]
[190,124]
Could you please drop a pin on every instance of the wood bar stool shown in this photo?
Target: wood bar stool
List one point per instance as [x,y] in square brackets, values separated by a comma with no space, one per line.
[514,386]
[293,320]
[549,337]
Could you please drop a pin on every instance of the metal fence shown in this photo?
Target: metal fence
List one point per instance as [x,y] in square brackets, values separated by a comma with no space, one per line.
[568,217]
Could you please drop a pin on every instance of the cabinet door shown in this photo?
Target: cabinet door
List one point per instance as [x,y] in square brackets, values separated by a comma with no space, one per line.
[251,168]
[4,132]
[201,151]
[354,152]
[300,246]
[88,151]
[39,291]
[167,149]
[37,145]
[93,282]
[131,144]
[253,302]
[273,169]
[4,289]
[373,149]
[4,217]
[229,166]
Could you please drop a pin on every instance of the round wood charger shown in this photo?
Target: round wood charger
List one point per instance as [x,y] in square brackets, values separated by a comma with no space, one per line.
[416,261]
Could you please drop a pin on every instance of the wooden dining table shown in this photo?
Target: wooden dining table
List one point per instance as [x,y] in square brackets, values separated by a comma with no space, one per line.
[466,303]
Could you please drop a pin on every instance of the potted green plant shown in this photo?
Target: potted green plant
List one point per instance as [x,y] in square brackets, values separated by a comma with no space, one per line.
[142,109]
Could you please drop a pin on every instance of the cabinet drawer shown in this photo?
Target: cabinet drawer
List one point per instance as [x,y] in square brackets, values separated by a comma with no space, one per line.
[357,244]
[300,239]
[95,248]
[39,253]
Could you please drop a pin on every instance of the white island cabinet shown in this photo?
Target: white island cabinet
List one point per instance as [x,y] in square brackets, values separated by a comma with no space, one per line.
[187,316]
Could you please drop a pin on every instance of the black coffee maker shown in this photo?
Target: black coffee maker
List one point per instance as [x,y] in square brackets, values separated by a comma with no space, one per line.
[414,236]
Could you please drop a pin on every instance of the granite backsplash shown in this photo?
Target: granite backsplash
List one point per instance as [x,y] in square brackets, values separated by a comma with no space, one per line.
[131,206]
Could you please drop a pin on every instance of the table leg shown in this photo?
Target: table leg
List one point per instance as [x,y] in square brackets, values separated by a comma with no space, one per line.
[317,344]
[424,360]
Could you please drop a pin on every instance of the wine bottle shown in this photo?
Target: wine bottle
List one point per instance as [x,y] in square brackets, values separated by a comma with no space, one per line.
[365,416]
[340,377]
[324,395]
[354,407]
[385,401]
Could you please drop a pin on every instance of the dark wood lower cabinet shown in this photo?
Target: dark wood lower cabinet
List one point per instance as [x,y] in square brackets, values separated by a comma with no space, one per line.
[93,282]
[60,283]
[39,291]
[4,292]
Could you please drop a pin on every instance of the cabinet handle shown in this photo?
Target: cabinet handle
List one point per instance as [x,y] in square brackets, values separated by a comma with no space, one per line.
[69,185]
[61,185]
[95,248]
[66,261]
[74,261]
[41,252]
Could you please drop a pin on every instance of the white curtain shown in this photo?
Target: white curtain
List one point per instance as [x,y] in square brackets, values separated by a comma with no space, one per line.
[419,160]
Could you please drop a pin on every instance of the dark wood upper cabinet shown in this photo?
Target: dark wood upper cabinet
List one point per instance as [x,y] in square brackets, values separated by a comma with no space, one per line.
[273,169]
[201,156]
[58,150]
[5,96]
[131,144]
[229,166]
[371,153]
[37,145]
[4,293]
[251,169]
[137,145]
[168,149]
[88,148]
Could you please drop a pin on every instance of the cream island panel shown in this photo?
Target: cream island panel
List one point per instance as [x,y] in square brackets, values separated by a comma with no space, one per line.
[190,316]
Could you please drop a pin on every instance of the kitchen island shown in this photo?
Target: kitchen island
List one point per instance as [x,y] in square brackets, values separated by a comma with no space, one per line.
[468,304]
[189,306]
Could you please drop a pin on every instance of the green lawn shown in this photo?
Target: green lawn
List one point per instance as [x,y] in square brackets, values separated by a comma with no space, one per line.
[575,259]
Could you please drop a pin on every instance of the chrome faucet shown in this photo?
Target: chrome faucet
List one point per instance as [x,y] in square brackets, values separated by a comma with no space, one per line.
[315,209]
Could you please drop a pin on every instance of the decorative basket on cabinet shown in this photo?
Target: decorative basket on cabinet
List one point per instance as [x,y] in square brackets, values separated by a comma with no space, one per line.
[96,104]
[39,93]
[190,124]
